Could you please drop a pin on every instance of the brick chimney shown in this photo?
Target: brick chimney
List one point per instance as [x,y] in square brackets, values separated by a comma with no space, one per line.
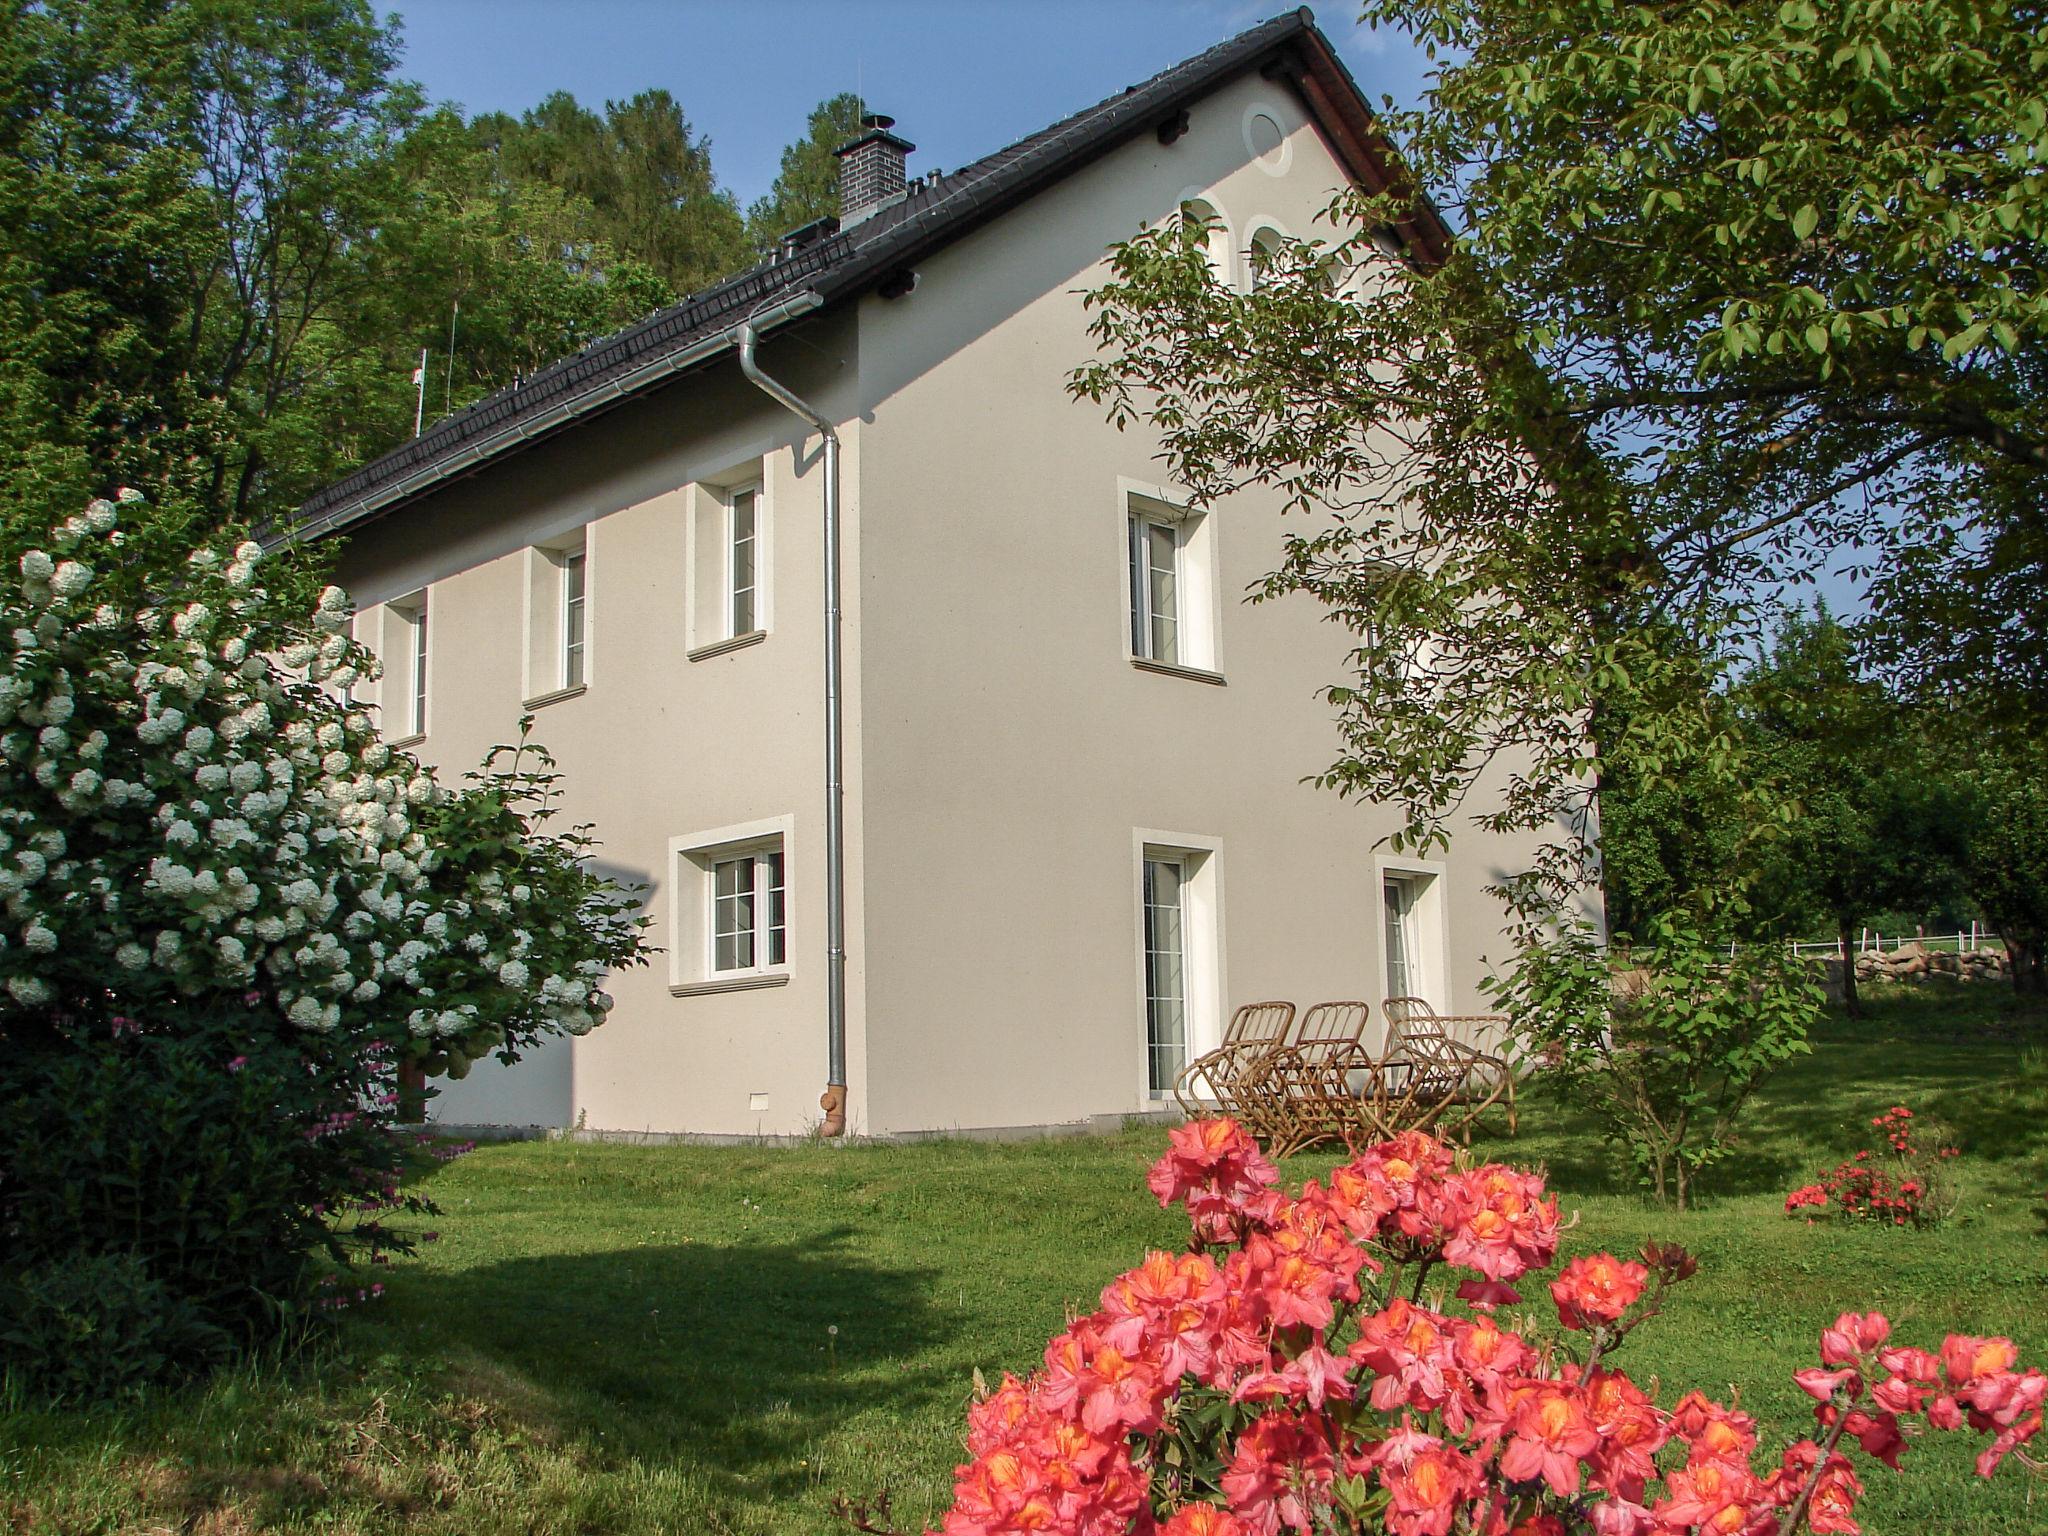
[871,169]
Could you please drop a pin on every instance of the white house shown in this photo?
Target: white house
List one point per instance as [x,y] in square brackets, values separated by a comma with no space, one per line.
[1073,832]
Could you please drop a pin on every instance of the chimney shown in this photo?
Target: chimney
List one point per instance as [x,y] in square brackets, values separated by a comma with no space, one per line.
[871,169]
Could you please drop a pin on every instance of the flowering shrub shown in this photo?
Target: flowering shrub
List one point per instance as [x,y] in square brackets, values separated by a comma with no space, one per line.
[1907,1185]
[230,913]
[1302,1367]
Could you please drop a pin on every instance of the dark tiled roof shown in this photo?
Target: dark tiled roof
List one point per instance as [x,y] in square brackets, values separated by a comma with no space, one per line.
[936,211]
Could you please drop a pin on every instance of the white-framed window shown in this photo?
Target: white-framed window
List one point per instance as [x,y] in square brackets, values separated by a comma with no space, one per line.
[1166,969]
[749,911]
[1155,587]
[742,561]
[575,613]
[405,667]
[730,561]
[1217,244]
[729,924]
[1267,245]
[1180,952]
[1169,581]
[1413,936]
[559,615]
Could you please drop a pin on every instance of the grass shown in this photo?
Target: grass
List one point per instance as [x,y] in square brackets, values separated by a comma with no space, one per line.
[622,1339]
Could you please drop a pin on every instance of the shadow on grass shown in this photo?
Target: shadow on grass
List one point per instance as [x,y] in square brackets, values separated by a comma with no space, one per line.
[729,1362]
[1816,1112]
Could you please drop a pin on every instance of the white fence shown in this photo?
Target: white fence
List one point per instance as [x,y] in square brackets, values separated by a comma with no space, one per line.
[1871,942]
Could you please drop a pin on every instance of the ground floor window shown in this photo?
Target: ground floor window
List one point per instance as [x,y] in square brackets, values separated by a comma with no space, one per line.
[1166,971]
[748,899]
[1412,934]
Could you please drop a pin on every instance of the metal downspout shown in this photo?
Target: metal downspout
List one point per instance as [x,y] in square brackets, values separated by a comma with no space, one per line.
[833,1100]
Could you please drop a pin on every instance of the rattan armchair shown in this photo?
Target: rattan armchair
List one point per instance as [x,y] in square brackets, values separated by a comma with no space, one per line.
[1429,1078]
[1309,1090]
[1225,1080]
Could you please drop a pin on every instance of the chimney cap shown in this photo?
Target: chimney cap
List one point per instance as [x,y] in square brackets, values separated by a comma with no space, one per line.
[875,128]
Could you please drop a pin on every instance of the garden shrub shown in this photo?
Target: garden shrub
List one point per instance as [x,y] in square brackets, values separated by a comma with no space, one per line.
[231,911]
[1315,1363]
[1906,1185]
[1666,1055]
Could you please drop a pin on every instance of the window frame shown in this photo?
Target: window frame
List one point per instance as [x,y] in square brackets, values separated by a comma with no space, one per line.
[573,654]
[751,492]
[1198,607]
[412,686]
[695,917]
[1203,951]
[1425,928]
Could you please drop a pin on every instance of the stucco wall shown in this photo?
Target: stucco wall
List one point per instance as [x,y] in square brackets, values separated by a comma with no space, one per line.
[1005,759]
[657,746]
[1013,751]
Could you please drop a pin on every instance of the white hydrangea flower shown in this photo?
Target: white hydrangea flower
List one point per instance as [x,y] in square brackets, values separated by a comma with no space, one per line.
[512,974]
[37,566]
[131,956]
[38,939]
[70,579]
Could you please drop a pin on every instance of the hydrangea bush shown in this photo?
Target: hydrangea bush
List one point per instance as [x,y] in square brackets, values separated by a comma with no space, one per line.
[1340,1360]
[232,912]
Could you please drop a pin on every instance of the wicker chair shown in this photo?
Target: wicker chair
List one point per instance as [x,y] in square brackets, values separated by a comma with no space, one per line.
[1310,1089]
[1222,1080]
[1426,1072]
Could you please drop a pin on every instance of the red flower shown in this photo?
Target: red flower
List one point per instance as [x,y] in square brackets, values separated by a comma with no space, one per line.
[1854,1335]
[1833,1506]
[1552,1434]
[1218,1171]
[1203,1520]
[1428,1482]
[1597,1289]
[1280,1472]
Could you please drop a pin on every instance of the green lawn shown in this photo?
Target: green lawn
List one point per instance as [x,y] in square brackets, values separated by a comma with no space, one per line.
[621,1339]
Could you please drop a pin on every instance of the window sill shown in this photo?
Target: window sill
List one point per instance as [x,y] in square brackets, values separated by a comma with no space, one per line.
[741,981]
[554,696]
[400,743]
[1175,669]
[720,647]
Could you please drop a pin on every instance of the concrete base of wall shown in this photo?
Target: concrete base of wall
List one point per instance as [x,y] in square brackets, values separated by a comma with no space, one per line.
[1094,1125]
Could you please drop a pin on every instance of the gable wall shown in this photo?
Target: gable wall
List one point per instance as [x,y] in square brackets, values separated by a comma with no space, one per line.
[1013,751]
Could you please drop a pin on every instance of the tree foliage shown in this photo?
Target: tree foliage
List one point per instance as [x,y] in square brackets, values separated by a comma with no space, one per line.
[640,169]
[2008,866]
[807,186]
[1779,262]
[1877,823]
[228,232]
[231,913]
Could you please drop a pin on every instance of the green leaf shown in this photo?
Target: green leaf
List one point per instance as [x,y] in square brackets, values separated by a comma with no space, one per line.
[1817,337]
[1805,221]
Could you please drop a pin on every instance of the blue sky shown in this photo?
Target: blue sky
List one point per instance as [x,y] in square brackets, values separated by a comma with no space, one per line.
[961,77]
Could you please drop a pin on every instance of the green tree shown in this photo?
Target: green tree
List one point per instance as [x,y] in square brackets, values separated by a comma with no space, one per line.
[1877,825]
[2008,862]
[644,172]
[807,186]
[1779,259]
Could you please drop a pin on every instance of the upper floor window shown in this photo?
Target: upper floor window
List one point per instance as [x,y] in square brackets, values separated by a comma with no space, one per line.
[1170,578]
[405,667]
[558,617]
[730,569]
[1216,243]
[742,547]
[1155,588]
[575,595]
